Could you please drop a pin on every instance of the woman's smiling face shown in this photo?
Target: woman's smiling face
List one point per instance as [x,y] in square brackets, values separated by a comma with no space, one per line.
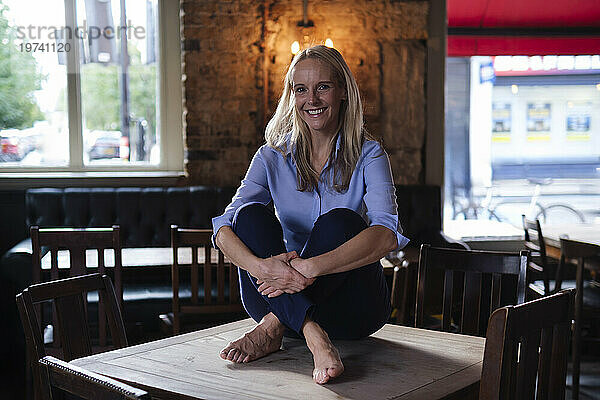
[318,96]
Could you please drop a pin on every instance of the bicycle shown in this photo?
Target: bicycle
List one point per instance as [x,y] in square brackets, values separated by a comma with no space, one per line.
[501,211]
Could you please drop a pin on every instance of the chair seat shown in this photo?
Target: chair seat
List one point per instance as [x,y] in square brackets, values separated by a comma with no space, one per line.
[591,293]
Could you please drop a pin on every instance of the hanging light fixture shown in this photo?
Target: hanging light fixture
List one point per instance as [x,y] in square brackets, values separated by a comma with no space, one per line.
[306,27]
[306,30]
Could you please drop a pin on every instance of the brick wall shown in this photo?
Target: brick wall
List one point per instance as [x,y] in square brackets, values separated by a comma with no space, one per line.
[236,54]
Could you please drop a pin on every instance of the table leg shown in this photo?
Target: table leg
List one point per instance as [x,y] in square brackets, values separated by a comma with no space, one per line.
[577,331]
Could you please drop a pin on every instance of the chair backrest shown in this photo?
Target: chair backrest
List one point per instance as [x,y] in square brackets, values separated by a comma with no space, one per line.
[484,280]
[215,271]
[527,346]
[574,250]
[535,243]
[68,298]
[580,252]
[80,243]
[85,384]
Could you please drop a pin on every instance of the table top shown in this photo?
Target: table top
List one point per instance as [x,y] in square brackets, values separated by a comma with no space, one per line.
[396,362]
[130,257]
[588,233]
[146,256]
[481,229]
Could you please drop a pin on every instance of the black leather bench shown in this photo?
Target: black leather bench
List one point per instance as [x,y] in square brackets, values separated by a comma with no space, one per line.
[144,215]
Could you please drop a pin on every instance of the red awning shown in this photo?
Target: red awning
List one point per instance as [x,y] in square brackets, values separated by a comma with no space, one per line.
[523,27]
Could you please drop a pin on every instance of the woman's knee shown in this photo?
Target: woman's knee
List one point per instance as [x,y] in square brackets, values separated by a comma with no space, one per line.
[341,221]
[331,230]
[251,212]
[254,216]
[256,225]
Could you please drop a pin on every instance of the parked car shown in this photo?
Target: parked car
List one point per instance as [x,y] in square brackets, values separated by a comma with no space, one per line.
[108,144]
[9,149]
[16,144]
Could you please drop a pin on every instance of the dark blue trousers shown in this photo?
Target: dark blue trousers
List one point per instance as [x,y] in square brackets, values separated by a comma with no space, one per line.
[347,305]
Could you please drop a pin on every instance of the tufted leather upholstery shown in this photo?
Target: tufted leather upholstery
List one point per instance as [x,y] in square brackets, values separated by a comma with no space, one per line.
[144,214]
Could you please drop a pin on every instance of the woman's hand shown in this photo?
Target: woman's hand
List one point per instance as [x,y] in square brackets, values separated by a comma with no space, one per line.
[276,276]
[304,266]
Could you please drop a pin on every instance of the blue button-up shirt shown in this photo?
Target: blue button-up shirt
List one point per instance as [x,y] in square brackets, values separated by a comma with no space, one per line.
[272,177]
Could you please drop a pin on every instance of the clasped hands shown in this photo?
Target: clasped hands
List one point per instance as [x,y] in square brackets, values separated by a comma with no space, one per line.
[283,273]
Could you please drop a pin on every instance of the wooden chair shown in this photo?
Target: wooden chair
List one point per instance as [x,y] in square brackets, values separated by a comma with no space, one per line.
[68,298]
[527,347]
[57,374]
[587,298]
[483,280]
[402,292]
[204,299]
[542,272]
[77,241]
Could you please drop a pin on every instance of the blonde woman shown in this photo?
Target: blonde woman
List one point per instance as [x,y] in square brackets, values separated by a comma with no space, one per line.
[311,269]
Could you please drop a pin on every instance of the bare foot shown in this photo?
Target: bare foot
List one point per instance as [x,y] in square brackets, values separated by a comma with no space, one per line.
[328,363]
[264,339]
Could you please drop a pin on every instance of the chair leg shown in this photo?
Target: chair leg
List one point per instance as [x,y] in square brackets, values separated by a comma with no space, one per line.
[166,324]
[577,331]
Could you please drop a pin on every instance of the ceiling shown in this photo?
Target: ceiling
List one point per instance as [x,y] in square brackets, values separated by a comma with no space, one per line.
[523,27]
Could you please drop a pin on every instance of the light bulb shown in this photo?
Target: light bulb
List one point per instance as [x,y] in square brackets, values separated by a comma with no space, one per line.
[514,89]
[328,42]
[295,47]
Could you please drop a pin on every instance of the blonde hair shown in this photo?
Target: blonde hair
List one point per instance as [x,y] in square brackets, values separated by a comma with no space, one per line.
[288,128]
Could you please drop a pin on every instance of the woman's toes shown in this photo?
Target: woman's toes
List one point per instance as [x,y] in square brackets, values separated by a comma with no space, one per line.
[320,375]
[240,356]
[335,371]
[225,352]
[232,353]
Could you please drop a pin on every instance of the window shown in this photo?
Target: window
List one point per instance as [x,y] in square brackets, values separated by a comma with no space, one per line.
[523,138]
[90,85]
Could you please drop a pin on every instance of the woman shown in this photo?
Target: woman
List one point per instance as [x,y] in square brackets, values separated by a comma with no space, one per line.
[312,267]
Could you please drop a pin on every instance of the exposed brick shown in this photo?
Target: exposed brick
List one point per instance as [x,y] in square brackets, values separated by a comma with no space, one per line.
[224,44]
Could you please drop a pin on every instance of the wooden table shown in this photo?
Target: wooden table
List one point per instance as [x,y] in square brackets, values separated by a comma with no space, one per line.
[396,362]
[131,257]
[587,233]
[151,257]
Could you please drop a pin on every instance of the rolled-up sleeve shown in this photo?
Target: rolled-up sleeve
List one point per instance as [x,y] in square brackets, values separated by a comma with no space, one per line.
[380,193]
[253,189]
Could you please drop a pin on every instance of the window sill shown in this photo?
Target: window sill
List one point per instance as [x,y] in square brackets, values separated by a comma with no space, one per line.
[24,180]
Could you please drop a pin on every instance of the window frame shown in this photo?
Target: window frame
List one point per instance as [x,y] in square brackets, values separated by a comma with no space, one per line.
[169,110]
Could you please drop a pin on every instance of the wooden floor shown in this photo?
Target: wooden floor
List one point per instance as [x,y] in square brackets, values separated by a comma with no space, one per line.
[589,380]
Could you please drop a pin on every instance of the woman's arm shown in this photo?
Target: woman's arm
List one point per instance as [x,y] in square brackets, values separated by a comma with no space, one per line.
[276,270]
[365,248]
[384,234]
[236,251]
[377,240]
